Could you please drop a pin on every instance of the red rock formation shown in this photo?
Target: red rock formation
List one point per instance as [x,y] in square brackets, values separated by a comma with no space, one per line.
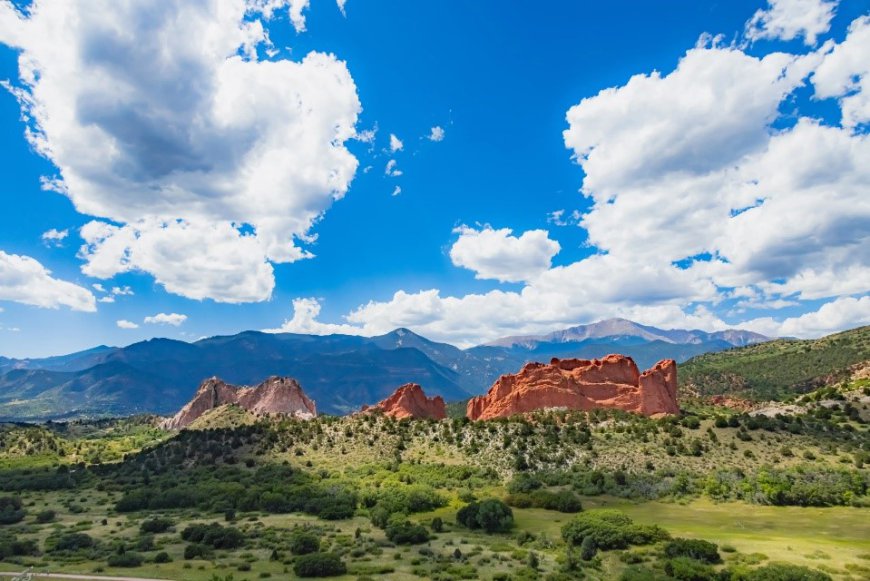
[409,401]
[734,403]
[276,395]
[581,384]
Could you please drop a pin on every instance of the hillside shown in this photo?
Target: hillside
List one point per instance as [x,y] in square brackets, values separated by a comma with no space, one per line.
[777,369]
[234,496]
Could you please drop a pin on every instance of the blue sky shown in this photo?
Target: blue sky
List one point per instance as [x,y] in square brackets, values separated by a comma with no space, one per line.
[192,158]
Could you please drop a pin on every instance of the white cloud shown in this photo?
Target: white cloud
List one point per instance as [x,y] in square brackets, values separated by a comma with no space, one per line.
[367,135]
[391,170]
[497,254]
[837,315]
[561,218]
[397,190]
[305,312]
[54,237]
[696,199]
[845,74]
[190,137]
[436,134]
[107,299]
[124,324]
[24,280]
[122,291]
[790,19]
[396,143]
[341,4]
[227,266]
[173,319]
[98,287]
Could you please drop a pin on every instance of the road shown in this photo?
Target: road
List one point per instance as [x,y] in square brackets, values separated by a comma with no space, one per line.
[37,575]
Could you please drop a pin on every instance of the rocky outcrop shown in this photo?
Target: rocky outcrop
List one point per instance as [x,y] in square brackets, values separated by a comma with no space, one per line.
[409,401]
[276,395]
[581,384]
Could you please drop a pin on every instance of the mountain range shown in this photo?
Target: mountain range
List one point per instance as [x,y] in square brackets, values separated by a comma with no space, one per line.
[340,372]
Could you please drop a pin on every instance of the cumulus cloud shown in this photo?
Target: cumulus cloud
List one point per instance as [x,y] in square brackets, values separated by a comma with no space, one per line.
[498,255]
[436,133]
[124,324]
[304,320]
[396,143]
[845,74]
[396,191]
[790,19]
[697,198]
[25,280]
[54,237]
[839,314]
[191,137]
[173,319]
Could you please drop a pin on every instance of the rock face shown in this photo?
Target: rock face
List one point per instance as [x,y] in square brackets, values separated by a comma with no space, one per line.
[409,401]
[276,395]
[581,384]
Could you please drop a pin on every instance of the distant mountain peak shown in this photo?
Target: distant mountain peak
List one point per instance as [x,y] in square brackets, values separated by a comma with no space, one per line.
[618,327]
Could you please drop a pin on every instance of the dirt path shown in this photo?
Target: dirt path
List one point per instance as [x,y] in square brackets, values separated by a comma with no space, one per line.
[37,575]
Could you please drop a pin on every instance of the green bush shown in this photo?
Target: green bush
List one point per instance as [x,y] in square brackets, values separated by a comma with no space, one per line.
[491,515]
[11,510]
[70,542]
[214,535]
[686,569]
[782,572]
[45,516]
[406,533]
[197,551]
[304,542]
[610,529]
[156,525]
[562,501]
[694,549]
[125,560]
[162,557]
[319,565]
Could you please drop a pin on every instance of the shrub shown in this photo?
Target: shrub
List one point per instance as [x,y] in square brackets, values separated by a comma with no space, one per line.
[45,516]
[319,565]
[407,533]
[156,525]
[10,546]
[197,551]
[610,529]
[588,548]
[304,542]
[162,557]
[125,560]
[70,542]
[686,569]
[491,515]
[783,572]
[214,535]
[11,510]
[437,524]
[562,501]
[693,549]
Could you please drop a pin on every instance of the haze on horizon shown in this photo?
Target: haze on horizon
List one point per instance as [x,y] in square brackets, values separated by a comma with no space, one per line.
[468,172]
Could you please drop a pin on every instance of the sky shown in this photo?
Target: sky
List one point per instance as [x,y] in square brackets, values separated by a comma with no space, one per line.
[468,170]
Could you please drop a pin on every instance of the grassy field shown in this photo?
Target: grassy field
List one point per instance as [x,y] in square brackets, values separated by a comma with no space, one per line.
[711,476]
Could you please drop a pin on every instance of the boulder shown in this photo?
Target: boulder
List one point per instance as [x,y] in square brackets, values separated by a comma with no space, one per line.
[581,384]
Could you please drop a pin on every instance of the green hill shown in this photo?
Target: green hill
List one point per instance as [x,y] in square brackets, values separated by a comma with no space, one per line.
[777,369]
